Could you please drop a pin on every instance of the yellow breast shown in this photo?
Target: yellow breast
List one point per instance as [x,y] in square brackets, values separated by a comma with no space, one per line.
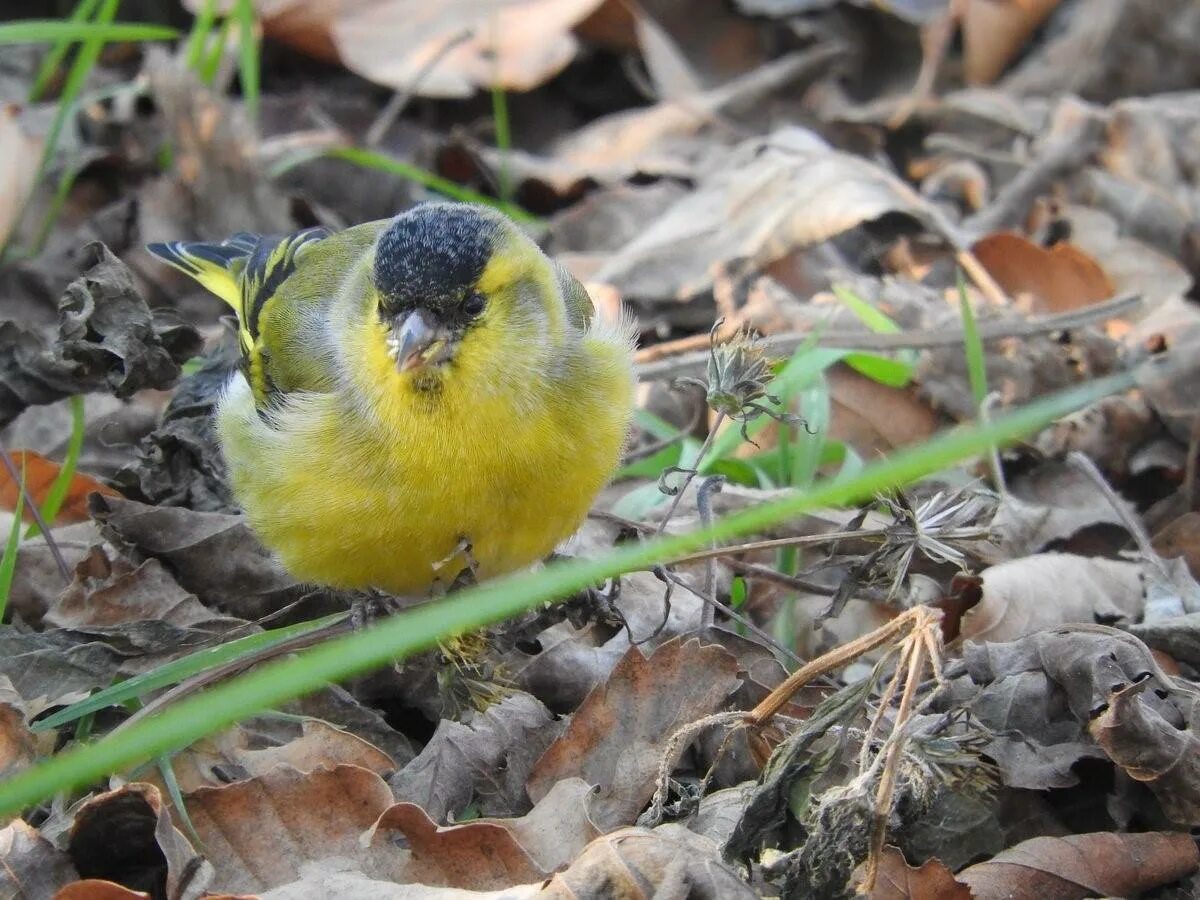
[379,488]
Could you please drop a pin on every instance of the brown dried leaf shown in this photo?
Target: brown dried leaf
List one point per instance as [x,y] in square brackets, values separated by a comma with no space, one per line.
[773,194]
[897,880]
[110,592]
[30,866]
[875,418]
[994,31]
[1083,865]
[1152,750]
[640,863]
[616,738]
[38,475]
[99,889]
[1055,279]
[150,855]
[265,829]
[1033,593]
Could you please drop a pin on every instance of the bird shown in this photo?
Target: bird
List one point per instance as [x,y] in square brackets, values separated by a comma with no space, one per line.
[418,399]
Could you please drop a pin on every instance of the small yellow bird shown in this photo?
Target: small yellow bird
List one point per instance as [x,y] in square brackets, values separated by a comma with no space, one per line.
[418,396]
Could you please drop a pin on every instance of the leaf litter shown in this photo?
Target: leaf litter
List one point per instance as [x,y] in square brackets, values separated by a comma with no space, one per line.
[980,685]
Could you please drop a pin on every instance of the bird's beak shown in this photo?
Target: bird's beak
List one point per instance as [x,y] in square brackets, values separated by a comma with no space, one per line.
[415,341]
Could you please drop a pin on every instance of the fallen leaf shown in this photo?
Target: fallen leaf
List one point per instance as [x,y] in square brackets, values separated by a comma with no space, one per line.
[876,418]
[106,339]
[617,736]
[994,31]
[1055,279]
[99,889]
[485,759]
[38,475]
[21,152]
[1083,865]
[897,880]
[31,866]
[772,195]
[1032,593]
[264,829]
[1152,750]
[152,855]
[638,862]
[111,592]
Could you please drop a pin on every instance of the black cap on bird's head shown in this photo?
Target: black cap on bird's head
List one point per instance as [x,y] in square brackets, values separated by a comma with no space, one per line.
[428,263]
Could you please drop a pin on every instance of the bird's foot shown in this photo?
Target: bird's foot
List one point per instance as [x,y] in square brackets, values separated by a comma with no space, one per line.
[371,605]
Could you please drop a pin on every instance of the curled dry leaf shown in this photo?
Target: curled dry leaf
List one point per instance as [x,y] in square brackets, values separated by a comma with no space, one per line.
[39,475]
[616,739]
[484,759]
[1101,864]
[1152,750]
[1026,595]
[152,854]
[1054,279]
[994,33]
[772,195]
[636,862]
[106,339]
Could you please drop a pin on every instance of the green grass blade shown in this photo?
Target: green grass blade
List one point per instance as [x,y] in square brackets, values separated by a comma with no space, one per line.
[875,319]
[249,70]
[421,628]
[214,49]
[381,162]
[8,562]
[976,364]
[51,31]
[177,670]
[82,12]
[62,481]
[197,37]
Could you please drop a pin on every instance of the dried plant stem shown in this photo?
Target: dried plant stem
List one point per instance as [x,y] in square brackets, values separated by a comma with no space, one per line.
[914,618]
[949,534]
[31,505]
[982,278]
[691,473]
[1129,522]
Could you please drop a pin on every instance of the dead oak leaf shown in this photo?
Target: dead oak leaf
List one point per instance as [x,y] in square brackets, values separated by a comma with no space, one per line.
[1055,279]
[897,880]
[31,866]
[1101,864]
[1152,750]
[263,830]
[39,474]
[617,736]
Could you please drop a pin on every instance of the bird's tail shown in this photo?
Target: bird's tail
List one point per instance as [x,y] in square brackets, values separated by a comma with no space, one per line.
[216,266]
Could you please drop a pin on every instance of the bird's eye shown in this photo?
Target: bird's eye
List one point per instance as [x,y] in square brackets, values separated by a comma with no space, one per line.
[474,303]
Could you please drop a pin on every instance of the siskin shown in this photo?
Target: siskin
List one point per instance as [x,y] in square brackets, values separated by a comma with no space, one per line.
[417,397]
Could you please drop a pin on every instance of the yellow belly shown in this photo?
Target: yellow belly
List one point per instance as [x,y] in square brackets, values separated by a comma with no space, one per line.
[351,503]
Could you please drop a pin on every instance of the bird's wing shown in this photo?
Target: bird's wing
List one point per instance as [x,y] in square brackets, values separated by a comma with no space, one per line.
[575,296]
[248,272]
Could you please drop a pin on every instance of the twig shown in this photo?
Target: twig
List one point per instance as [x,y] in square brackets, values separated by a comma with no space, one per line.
[704,492]
[1131,524]
[990,402]
[31,505]
[690,473]
[920,339]
[949,534]
[935,41]
[399,101]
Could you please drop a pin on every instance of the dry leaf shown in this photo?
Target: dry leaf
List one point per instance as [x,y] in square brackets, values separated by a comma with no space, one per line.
[39,474]
[30,866]
[266,828]
[617,737]
[98,889]
[1083,865]
[1055,279]
[994,32]
[897,880]
[1033,593]
[21,153]
[1153,751]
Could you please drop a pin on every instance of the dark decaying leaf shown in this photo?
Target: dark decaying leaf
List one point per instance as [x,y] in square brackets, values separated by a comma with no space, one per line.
[617,737]
[150,854]
[897,880]
[1037,694]
[1101,864]
[1152,750]
[486,758]
[106,340]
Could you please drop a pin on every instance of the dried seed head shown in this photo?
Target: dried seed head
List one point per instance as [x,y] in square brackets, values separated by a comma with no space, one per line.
[737,374]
